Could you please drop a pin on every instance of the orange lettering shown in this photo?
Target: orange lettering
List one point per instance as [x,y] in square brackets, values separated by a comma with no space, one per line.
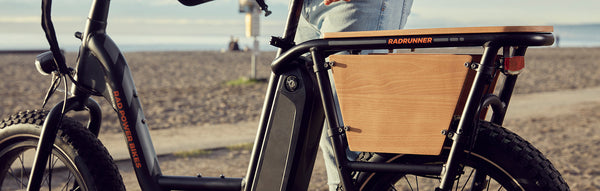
[119,104]
[125,125]
[409,40]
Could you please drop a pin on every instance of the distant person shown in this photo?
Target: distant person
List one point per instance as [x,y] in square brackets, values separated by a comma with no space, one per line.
[233,44]
[557,41]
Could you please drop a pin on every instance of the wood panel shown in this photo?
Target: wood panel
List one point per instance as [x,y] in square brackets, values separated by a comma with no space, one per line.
[438,31]
[398,103]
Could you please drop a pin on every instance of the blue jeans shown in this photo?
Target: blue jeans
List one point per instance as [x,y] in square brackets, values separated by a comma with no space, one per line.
[356,15]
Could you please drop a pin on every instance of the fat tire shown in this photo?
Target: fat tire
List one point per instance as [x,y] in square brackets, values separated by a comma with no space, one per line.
[523,162]
[91,159]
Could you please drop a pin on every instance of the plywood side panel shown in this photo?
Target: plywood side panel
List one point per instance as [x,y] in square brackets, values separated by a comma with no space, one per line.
[398,103]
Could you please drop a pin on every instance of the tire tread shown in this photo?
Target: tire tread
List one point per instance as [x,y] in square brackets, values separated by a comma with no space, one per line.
[86,145]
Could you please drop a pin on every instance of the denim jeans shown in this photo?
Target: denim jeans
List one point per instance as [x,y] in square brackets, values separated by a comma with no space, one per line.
[356,15]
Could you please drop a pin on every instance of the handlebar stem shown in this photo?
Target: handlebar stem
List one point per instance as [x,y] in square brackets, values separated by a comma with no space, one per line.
[99,10]
[97,17]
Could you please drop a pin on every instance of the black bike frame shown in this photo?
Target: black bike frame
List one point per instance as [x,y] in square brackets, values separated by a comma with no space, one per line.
[298,100]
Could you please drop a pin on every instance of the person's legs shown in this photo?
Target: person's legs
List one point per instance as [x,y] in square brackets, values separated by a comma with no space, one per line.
[356,15]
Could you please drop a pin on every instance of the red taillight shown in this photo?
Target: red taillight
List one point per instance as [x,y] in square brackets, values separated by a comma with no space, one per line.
[513,65]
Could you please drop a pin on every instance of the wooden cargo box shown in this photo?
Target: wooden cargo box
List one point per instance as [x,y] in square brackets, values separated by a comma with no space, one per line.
[400,103]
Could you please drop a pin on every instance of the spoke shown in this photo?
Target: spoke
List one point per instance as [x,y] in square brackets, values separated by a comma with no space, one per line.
[75,185]
[458,180]
[22,161]
[417,181]
[69,179]
[467,181]
[55,160]
[407,181]
[50,182]
[67,183]
[22,173]
[51,164]
[45,179]
[488,183]
[17,180]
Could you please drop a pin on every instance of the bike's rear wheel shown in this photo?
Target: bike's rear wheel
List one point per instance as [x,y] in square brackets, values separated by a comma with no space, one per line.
[78,160]
[501,160]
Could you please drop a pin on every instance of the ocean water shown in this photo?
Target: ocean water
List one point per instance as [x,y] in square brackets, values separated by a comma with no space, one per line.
[129,43]
[567,36]
[577,35]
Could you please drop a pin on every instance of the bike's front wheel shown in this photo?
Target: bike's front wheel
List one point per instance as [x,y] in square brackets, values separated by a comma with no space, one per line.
[499,160]
[78,160]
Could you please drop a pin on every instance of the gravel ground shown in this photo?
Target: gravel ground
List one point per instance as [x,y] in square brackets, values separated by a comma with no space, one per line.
[188,89]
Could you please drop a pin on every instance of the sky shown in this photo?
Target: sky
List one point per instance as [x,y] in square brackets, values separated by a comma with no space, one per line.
[166,21]
[430,13]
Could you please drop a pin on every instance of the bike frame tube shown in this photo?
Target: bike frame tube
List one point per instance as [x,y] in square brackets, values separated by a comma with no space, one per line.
[328,46]
[288,36]
[115,82]
[508,87]
[469,117]
[336,135]
[120,91]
